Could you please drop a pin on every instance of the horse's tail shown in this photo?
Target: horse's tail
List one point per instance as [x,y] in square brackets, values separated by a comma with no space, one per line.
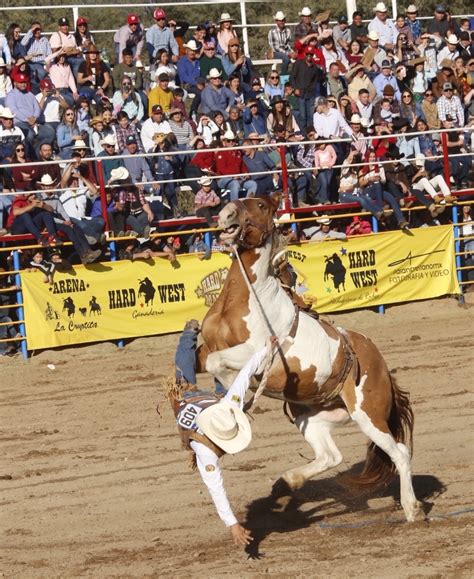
[379,469]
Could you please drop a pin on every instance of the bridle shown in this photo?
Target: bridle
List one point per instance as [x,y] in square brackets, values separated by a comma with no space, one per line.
[264,231]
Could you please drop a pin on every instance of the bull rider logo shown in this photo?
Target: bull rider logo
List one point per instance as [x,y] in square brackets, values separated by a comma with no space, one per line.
[210,286]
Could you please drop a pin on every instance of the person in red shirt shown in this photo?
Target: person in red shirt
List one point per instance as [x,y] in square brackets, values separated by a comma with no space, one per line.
[310,40]
[229,163]
[358,226]
[28,215]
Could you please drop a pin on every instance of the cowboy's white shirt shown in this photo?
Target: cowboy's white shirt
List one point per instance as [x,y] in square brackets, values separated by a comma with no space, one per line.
[207,460]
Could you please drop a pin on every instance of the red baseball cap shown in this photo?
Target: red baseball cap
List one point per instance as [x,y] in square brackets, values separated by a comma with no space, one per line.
[22,78]
[82,20]
[46,83]
[159,13]
[133,19]
[309,50]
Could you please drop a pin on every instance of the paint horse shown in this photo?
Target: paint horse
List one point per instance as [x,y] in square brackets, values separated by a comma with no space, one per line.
[326,375]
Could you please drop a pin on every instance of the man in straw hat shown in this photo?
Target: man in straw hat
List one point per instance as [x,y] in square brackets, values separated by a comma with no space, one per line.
[209,427]
[323,231]
[215,96]
[280,41]
[305,26]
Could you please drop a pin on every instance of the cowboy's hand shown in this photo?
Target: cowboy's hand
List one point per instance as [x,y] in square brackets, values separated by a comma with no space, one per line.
[274,340]
[241,535]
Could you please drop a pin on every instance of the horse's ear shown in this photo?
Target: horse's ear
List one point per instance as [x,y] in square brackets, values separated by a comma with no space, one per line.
[275,199]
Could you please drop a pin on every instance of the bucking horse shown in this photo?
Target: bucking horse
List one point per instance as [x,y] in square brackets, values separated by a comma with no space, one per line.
[326,375]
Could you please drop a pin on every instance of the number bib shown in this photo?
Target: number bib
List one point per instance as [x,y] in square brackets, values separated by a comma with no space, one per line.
[187,416]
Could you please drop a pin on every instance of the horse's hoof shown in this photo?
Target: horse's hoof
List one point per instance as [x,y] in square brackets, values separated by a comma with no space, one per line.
[294,480]
[415,512]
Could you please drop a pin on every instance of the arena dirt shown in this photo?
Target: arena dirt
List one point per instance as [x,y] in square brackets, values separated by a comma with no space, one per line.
[93,482]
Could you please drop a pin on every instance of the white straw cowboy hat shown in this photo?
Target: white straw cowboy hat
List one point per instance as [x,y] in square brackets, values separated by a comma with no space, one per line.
[6,113]
[214,73]
[225,17]
[229,136]
[226,425]
[205,181]
[47,180]
[373,35]
[452,39]
[79,144]
[323,220]
[412,9]
[306,11]
[355,119]
[420,160]
[109,140]
[279,15]
[192,45]
[380,7]
[119,174]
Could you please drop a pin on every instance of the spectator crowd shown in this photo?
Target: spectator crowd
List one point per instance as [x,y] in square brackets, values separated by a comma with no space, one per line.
[380,85]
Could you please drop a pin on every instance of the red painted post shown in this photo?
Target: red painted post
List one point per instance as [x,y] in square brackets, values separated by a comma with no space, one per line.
[447,172]
[284,178]
[103,200]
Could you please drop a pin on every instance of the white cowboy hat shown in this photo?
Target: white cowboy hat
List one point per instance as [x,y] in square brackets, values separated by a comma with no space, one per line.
[214,73]
[420,160]
[380,7]
[2,62]
[373,35]
[204,181]
[139,64]
[109,140]
[229,135]
[47,180]
[192,45]
[279,15]
[323,220]
[306,11]
[226,425]
[119,174]
[452,39]
[412,9]
[355,120]
[79,144]
[6,113]
[225,17]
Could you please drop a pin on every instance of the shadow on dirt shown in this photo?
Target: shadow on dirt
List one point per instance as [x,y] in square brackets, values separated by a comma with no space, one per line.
[279,512]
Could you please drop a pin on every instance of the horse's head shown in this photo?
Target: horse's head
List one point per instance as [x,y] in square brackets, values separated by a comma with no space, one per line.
[248,222]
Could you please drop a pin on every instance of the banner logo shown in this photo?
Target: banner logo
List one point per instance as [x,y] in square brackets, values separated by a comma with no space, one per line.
[210,286]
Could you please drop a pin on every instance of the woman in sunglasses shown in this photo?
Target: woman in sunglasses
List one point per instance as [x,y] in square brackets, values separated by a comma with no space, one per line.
[24,176]
[273,86]
[67,133]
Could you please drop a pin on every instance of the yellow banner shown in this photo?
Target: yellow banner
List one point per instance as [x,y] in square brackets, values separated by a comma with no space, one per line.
[119,299]
[126,300]
[374,270]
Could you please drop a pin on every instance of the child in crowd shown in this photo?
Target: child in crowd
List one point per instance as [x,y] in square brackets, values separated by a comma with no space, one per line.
[38,262]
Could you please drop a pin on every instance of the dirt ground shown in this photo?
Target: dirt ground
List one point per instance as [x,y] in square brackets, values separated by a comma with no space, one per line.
[93,483]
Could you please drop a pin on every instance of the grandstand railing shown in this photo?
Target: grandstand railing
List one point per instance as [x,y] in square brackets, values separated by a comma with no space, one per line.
[179,224]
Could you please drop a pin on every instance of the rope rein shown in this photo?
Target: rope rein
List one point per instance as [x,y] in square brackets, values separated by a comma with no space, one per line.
[272,349]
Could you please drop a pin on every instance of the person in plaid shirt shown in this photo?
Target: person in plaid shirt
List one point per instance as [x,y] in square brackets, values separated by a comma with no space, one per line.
[279,40]
[449,105]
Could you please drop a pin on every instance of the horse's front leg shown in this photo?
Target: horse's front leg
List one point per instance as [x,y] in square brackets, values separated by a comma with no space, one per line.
[225,364]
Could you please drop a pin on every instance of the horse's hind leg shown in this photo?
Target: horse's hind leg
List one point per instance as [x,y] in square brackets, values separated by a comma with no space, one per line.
[371,415]
[316,428]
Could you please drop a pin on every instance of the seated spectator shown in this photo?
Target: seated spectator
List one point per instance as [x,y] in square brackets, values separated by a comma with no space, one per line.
[259,162]
[459,161]
[323,230]
[306,25]
[109,160]
[37,49]
[51,103]
[197,244]
[62,77]
[181,128]
[67,133]
[154,126]
[273,86]
[131,36]
[10,136]
[254,121]
[235,62]
[336,83]
[137,210]
[51,202]
[207,203]
[161,37]
[229,163]
[165,169]
[333,54]
[281,115]
[28,116]
[21,68]
[83,116]
[137,167]
[189,72]
[236,92]
[163,65]
[93,77]
[25,175]
[29,214]
[209,60]
[430,110]
[384,78]
[127,68]
[82,34]
[215,96]
[354,53]
[359,81]
[64,41]
[44,167]
[125,129]
[161,95]
[410,109]
[350,190]
[235,122]
[128,100]
[358,226]
[201,164]
[387,103]
[226,32]
[15,47]
[450,105]
[434,185]
[209,130]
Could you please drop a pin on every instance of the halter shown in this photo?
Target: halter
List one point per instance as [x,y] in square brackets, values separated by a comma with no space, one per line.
[265,231]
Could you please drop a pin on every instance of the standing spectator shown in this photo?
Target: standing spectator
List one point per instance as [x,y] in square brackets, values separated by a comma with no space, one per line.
[450,105]
[342,33]
[82,34]
[439,25]
[358,29]
[160,36]
[93,77]
[65,41]
[127,99]
[329,123]
[413,23]
[280,41]
[154,126]
[207,203]
[304,77]
[164,169]
[13,37]
[37,48]
[63,78]
[131,36]
[384,27]
[229,163]
[27,112]
[324,161]
[226,32]
[305,25]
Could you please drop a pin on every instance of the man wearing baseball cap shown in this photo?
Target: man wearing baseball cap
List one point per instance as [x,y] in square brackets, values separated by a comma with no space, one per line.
[342,33]
[65,41]
[211,428]
[51,102]
[131,35]
[37,49]
[156,124]
[439,25]
[384,27]
[160,36]
[280,41]
[161,95]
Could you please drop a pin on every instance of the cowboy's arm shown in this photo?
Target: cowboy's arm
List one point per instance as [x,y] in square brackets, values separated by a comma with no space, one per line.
[238,389]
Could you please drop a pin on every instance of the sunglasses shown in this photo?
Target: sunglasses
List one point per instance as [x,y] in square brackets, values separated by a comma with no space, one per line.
[428,94]
[448,90]
[20,149]
[274,77]
[69,114]
[407,96]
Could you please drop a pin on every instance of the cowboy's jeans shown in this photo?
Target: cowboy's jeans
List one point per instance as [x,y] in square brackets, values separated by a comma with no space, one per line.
[185,357]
